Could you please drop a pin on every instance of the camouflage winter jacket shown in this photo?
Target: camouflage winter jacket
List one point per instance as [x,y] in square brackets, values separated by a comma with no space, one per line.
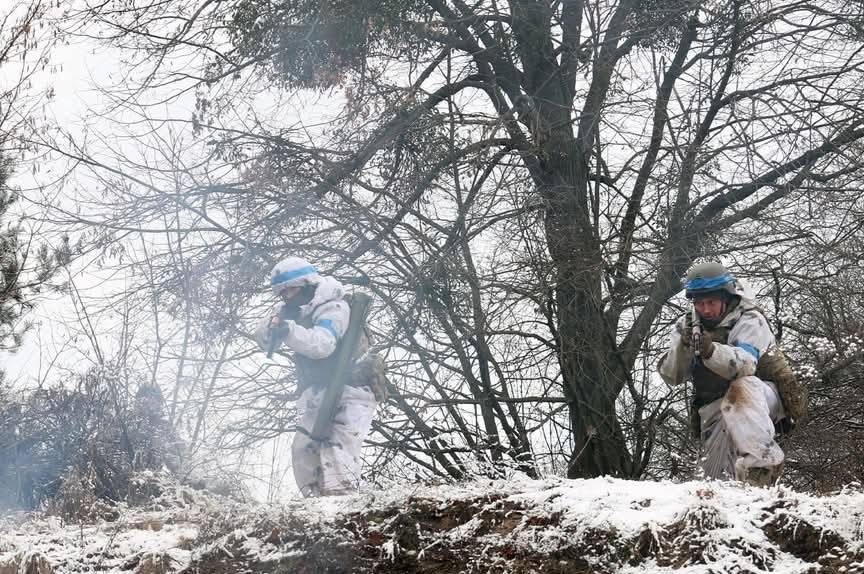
[743,337]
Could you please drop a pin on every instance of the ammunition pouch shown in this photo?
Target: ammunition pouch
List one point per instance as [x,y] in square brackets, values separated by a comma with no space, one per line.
[708,386]
[371,371]
[793,394]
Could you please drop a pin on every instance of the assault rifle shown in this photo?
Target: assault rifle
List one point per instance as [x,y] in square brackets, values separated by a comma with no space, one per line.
[697,334]
[277,331]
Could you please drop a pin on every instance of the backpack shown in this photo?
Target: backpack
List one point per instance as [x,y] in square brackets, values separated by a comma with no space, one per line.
[369,367]
[774,367]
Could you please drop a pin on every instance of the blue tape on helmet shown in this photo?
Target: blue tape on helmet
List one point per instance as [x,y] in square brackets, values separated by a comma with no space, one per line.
[287,276]
[709,283]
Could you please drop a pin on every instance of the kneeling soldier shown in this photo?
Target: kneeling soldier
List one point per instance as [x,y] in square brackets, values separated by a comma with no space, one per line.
[726,347]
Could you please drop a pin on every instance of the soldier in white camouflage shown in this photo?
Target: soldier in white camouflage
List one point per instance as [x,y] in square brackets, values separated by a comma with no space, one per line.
[312,321]
[733,366]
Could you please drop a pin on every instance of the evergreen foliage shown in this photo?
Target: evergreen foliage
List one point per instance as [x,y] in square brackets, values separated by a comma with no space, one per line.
[24,268]
[317,43]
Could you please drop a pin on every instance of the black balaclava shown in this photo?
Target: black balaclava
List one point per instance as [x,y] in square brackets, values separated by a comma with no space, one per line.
[291,308]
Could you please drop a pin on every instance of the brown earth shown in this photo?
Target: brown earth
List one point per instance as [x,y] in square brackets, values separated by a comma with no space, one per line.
[475,535]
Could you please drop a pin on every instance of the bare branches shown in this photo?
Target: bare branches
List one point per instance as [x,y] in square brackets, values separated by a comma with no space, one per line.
[524,184]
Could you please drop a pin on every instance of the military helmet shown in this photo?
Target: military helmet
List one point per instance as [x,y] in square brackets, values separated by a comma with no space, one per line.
[293,272]
[709,279]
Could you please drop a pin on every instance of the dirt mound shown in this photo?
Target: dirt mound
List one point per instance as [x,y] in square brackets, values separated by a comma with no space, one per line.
[551,526]
[515,533]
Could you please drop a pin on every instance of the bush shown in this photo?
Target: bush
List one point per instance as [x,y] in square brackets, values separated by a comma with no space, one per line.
[91,437]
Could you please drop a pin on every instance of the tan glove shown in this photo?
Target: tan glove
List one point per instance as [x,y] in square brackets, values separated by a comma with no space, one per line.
[707,348]
[687,334]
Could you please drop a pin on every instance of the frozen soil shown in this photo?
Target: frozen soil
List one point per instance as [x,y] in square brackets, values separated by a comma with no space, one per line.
[550,526]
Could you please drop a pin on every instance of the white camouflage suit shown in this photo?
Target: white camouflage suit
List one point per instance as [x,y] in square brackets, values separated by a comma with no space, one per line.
[737,430]
[332,466]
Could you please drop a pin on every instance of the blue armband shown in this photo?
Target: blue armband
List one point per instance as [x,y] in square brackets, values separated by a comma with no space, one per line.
[750,349]
[328,324]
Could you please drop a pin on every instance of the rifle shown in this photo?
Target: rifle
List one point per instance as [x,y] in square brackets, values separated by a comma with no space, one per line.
[697,334]
[276,333]
[344,363]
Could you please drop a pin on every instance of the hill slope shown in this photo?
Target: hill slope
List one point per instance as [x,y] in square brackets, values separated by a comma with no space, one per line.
[554,525]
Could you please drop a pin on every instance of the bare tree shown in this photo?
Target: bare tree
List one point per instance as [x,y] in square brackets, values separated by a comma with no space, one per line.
[526,183]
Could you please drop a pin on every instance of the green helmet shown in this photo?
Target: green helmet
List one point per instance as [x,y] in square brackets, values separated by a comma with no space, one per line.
[709,279]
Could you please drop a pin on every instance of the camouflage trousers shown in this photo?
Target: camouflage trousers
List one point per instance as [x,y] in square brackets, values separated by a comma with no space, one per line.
[332,467]
[738,433]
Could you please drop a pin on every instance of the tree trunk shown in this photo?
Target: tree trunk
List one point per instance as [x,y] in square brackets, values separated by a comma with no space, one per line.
[592,377]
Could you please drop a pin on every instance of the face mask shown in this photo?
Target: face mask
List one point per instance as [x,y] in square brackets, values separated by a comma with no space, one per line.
[291,309]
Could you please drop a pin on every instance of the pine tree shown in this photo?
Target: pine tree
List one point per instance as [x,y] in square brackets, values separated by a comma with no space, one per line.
[23,270]
[12,302]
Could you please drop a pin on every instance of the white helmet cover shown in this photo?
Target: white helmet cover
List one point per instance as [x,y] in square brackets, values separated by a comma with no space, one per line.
[293,272]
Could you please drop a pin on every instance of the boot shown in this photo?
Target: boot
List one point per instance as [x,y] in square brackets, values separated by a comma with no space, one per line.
[761,476]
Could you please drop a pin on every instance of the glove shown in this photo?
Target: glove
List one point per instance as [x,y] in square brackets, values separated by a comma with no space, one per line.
[277,332]
[687,334]
[707,348]
[280,331]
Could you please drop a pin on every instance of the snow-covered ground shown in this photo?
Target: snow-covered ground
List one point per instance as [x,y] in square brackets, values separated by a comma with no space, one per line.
[553,525]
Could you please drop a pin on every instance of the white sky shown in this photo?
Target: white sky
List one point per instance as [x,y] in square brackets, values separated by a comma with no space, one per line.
[70,78]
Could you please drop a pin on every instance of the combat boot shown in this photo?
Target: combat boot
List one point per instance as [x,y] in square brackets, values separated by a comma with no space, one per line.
[761,476]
